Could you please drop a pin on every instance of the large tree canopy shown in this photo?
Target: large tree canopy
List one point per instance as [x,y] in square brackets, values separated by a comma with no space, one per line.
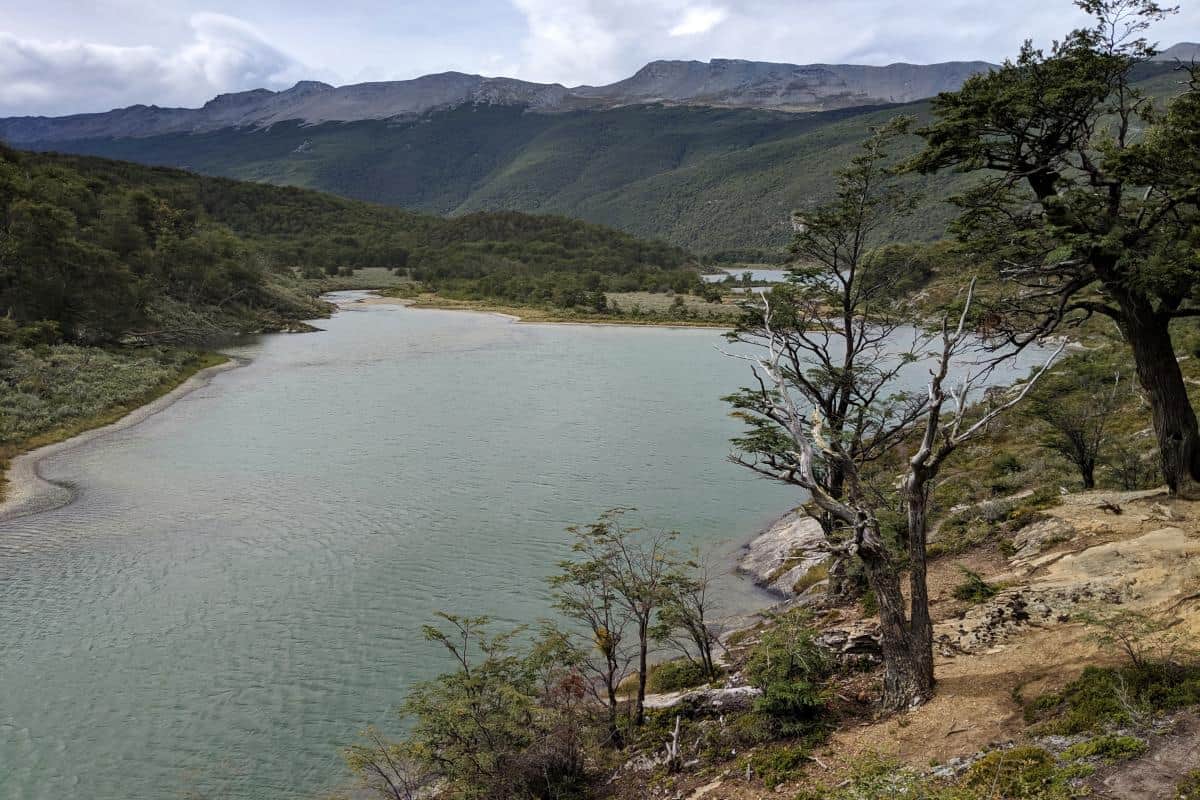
[1089,200]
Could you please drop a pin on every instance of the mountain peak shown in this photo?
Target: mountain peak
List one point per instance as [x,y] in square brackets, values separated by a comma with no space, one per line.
[309,86]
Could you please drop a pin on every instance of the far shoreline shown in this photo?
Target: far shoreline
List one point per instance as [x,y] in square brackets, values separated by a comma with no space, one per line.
[527,316]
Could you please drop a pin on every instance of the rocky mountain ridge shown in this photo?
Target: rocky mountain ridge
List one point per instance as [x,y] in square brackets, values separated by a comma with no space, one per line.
[722,83]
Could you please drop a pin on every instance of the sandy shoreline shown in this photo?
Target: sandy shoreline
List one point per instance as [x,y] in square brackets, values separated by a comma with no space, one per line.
[29,493]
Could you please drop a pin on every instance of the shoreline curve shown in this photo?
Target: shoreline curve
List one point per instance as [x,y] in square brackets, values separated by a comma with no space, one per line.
[28,492]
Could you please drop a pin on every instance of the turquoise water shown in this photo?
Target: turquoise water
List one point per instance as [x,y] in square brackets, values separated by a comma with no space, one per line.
[240,586]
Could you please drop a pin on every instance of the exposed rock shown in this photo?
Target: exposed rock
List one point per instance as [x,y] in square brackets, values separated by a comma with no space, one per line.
[1033,539]
[782,554]
[854,644]
[993,622]
[732,698]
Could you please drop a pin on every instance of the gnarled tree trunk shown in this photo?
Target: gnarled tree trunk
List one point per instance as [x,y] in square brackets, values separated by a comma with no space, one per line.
[1174,418]
[907,653]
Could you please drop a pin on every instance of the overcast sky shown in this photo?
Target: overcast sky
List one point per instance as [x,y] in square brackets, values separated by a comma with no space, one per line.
[67,56]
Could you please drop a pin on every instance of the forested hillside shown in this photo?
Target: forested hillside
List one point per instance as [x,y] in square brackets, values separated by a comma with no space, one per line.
[93,250]
[707,179]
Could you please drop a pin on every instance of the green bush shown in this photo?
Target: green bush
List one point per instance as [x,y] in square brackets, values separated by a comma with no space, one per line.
[789,666]
[778,765]
[1189,787]
[673,676]
[1005,464]
[1108,747]
[1102,698]
[973,588]
[1022,773]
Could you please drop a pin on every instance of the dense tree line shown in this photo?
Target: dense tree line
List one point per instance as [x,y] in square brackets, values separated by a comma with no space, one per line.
[89,245]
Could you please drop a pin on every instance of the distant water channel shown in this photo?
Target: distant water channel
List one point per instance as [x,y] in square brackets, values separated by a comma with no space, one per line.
[240,585]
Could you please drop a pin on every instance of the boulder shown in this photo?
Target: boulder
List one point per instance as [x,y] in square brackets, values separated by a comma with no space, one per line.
[854,644]
[731,698]
[785,552]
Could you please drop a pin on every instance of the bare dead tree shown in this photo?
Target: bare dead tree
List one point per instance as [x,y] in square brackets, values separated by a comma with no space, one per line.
[790,444]
[834,324]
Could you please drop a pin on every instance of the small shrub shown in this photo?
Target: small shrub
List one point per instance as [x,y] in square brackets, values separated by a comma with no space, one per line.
[1018,774]
[1107,747]
[1005,464]
[788,666]
[1189,787]
[973,588]
[674,676]
[755,728]
[778,764]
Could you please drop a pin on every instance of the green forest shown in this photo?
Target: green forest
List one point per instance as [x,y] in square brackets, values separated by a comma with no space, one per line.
[95,250]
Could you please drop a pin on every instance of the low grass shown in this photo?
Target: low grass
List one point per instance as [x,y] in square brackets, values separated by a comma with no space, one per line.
[704,317]
[1102,699]
[1018,773]
[1107,747]
[676,675]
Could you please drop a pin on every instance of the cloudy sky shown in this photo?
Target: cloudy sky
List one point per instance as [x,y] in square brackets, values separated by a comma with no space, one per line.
[65,56]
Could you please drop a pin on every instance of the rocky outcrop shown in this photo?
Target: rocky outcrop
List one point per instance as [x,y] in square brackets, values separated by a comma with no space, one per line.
[1009,613]
[785,552]
[853,645]
[1031,540]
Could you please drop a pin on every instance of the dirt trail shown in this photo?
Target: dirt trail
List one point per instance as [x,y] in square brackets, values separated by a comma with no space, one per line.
[1027,640]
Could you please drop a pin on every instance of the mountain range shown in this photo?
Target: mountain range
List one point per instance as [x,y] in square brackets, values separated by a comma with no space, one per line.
[707,155]
[718,83]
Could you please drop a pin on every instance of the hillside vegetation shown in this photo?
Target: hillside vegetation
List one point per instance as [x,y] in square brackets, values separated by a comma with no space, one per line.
[96,250]
[706,179]
[114,275]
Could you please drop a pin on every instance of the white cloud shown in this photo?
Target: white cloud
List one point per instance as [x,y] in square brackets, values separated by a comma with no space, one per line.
[699,20]
[597,41]
[71,76]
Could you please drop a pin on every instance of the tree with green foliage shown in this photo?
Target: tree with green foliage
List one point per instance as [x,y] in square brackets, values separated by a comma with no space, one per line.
[638,567]
[1078,423]
[685,619]
[585,594]
[1088,201]
[506,723]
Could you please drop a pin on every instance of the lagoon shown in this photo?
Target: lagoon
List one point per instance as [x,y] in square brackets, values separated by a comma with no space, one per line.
[240,584]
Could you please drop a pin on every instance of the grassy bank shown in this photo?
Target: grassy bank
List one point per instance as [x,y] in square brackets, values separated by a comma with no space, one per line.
[49,394]
[625,308]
